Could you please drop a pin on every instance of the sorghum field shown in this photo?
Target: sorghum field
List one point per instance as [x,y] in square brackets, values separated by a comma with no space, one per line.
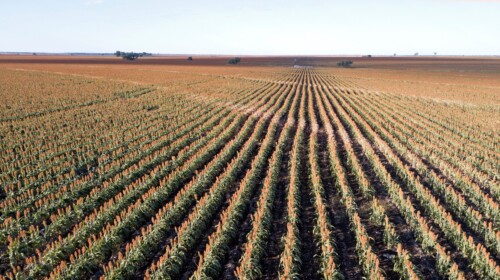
[162,168]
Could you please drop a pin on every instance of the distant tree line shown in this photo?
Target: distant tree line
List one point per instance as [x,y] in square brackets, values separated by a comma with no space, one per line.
[344,63]
[235,60]
[131,55]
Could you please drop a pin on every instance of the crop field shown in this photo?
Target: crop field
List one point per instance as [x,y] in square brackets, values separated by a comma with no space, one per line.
[161,169]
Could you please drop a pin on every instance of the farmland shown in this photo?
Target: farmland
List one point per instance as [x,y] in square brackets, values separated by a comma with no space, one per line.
[167,169]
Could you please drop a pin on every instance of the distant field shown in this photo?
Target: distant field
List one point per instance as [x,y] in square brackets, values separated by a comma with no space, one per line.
[164,168]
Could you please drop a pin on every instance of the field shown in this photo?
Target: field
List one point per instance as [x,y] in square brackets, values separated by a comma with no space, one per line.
[162,168]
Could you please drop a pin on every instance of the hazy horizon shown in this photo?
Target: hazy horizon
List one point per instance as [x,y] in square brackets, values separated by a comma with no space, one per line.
[283,28]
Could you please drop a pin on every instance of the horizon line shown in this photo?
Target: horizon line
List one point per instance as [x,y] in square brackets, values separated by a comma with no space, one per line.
[243,55]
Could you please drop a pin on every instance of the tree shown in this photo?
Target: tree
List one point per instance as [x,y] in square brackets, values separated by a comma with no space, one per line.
[131,55]
[235,60]
[190,58]
[416,54]
[345,63]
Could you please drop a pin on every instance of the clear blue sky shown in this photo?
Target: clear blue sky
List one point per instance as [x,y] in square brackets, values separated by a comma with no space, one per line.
[253,27]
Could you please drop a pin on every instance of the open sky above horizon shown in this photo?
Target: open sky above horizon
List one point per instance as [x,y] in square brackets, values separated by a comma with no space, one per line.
[448,27]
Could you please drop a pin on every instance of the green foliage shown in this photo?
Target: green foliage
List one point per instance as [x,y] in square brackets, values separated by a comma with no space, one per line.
[131,55]
[344,63]
[235,60]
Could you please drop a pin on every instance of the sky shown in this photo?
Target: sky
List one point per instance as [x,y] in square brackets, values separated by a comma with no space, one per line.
[293,27]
